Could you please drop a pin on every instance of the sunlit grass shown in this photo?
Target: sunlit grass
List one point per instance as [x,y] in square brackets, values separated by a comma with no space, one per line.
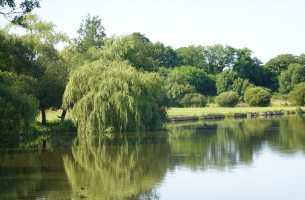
[212,109]
[53,115]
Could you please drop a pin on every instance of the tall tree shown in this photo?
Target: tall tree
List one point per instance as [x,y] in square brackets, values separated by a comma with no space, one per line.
[280,63]
[218,58]
[248,67]
[42,39]
[203,82]
[91,33]
[292,76]
[191,56]
[275,66]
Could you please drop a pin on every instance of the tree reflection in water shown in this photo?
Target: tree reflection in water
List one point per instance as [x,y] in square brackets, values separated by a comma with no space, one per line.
[132,167]
[123,170]
[225,144]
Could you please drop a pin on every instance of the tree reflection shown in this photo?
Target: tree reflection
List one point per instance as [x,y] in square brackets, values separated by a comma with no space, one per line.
[121,170]
[19,173]
[289,137]
[220,145]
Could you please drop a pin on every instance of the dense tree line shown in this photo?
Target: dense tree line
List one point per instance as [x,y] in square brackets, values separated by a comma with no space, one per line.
[95,74]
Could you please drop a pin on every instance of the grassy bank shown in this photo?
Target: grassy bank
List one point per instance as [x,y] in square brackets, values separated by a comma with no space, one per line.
[54,125]
[187,112]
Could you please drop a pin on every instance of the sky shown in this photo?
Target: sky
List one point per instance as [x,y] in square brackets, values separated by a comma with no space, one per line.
[267,27]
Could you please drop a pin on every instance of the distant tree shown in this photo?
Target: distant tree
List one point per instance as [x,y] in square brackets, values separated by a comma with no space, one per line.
[225,80]
[176,87]
[248,67]
[297,95]
[203,82]
[301,59]
[191,56]
[289,78]
[275,66]
[165,55]
[218,58]
[257,96]
[280,63]
[194,100]
[112,95]
[139,52]
[227,99]
[91,33]
[15,12]
[240,86]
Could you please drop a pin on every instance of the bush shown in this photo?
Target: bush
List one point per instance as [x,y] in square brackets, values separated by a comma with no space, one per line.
[297,95]
[227,99]
[257,96]
[193,100]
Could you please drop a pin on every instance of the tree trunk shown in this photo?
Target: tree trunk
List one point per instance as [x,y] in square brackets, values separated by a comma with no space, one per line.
[63,115]
[43,116]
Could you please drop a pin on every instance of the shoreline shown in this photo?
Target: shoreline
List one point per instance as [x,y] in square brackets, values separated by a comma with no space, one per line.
[234,115]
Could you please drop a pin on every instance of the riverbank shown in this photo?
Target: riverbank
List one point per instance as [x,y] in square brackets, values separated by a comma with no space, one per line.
[176,114]
[192,114]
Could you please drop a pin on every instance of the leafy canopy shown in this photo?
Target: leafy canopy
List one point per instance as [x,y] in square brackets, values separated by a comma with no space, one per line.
[14,12]
[112,95]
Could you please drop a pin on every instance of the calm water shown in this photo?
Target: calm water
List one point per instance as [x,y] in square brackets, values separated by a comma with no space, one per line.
[236,159]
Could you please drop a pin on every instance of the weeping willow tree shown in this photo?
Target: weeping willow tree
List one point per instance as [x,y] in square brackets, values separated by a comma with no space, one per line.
[113,171]
[112,95]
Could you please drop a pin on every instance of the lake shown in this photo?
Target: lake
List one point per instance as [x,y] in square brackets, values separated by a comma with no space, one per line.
[253,159]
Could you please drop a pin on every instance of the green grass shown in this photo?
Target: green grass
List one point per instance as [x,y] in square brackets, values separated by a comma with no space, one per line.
[184,112]
[54,125]
[53,115]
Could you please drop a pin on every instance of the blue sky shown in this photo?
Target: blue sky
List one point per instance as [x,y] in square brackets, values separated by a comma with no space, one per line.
[268,27]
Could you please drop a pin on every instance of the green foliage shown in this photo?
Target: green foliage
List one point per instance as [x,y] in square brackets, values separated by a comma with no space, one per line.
[240,86]
[191,56]
[298,111]
[193,100]
[41,38]
[213,59]
[91,33]
[280,63]
[227,99]
[248,67]
[203,83]
[218,58]
[289,78]
[113,94]
[257,96]
[297,95]
[18,110]
[15,55]
[176,86]
[225,80]
[15,13]
[275,66]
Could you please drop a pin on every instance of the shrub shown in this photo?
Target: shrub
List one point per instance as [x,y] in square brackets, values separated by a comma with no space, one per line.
[297,95]
[257,96]
[193,100]
[227,99]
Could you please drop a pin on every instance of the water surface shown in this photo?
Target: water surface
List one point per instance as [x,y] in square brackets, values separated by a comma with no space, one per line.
[231,159]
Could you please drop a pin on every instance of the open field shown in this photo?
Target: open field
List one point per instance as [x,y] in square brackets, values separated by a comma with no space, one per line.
[187,112]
